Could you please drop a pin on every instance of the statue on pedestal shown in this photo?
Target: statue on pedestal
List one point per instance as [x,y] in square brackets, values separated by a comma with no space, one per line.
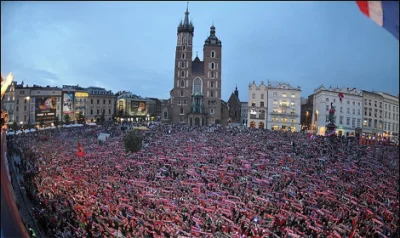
[331,127]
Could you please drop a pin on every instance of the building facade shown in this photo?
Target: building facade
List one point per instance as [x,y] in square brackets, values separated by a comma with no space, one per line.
[100,102]
[372,114]
[390,116]
[8,102]
[196,93]
[257,106]
[306,112]
[131,107]
[348,114]
[234,106]
[244,112]
[284,105]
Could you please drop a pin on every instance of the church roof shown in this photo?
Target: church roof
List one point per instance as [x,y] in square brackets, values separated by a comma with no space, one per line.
[197,66]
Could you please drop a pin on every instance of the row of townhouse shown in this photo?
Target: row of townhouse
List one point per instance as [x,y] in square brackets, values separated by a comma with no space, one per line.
[36,104]
[358,112]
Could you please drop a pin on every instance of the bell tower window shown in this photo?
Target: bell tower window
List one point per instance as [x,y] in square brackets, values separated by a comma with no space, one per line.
[182,74]
[212,54]
[184,47]
[212,65]
[182,84]
[183,55]
[183,64]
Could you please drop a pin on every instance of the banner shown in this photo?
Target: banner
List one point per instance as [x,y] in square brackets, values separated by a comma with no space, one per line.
[138,108]
[68,103]
[45,108]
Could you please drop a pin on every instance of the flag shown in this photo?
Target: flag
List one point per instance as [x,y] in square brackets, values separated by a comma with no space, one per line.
[341,96]
[383,13]
[80,152]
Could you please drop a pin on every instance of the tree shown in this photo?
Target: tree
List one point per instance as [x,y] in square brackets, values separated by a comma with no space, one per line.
[80,118]
[133,141]
[14,126]
[56,122]
[67,119]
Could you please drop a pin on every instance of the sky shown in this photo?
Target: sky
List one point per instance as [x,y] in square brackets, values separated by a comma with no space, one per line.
[131,45]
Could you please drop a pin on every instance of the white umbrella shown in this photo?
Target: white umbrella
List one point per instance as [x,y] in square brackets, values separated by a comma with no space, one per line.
[11,133]
[19,132]
[33,130]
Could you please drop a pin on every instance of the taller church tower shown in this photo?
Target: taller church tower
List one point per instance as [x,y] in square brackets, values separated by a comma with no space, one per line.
[196,94]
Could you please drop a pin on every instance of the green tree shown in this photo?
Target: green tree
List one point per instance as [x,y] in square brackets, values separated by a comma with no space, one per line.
[56,122]
[80,118]
[67,119]
[133,141]
[14,126]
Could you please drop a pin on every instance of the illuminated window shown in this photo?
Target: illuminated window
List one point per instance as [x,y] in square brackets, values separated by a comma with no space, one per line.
[293,95]
[284,95]
[275,102]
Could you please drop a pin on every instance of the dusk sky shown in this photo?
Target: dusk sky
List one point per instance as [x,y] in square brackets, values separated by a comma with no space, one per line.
[131,45]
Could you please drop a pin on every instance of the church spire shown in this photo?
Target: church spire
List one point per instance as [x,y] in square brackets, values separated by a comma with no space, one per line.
[186,21]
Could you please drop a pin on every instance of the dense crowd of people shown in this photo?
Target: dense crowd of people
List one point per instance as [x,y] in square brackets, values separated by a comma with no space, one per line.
[209,182]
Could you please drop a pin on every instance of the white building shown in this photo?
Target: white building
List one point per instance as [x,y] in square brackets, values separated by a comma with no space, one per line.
[257,106]
[372,114]
[391,116]
[284,105]
[243,113]
[348,114]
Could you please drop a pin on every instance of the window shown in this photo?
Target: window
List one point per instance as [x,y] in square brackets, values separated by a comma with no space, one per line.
[91,111]
[275,102]
[182,74]
[358,112]
[17,108]
[358,104]
[292,111]
[253,104]
[212,54]
[184,102]
[354,111]
[212,111]
[17,118]
[292,103]
[182,83]
[274,94]
[184,47]
[178,102]
[348,121]
[327,107]
[348,110]
[183,55]
[197,86]
[211,93]
[334,100]
[109,111]
[262,95]
[17,101]
[385,115]
[358,122]
[98,111]
[261,104]
[284,95]
[327,99]
[98,101]
[293,95]
[104,101]
[348,102]
[353,122]
[181,111]
[211,84]
[182,64]
[354,103]
[341,109]
[165,115]
[253,96]
[389,126]
[212,65]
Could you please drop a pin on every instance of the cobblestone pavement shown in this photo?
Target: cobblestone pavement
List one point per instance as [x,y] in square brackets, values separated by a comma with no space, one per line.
[25,206]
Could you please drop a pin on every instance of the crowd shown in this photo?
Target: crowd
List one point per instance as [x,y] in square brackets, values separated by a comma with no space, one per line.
[198,182]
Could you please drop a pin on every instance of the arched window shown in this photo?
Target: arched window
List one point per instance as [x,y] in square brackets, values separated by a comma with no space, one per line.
[212,54]
[212,65]
[262,95]
[212,94]
[165,115]
[184,48]
[182,84]
[181,110]
[184,40]
[212,84]
[182,73]
[197,86]
[183,64]
[182,93]
[212,74]
[183,55]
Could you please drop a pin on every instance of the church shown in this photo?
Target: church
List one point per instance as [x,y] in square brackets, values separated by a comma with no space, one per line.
[195,99]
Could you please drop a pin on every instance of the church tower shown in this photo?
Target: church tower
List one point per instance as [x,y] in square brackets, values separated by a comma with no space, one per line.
[183,64]
[196,94]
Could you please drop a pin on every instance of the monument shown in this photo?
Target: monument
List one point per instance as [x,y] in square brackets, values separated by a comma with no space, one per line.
[331,127]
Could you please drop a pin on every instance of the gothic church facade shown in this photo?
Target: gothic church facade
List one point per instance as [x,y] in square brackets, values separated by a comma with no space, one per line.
[195,99]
